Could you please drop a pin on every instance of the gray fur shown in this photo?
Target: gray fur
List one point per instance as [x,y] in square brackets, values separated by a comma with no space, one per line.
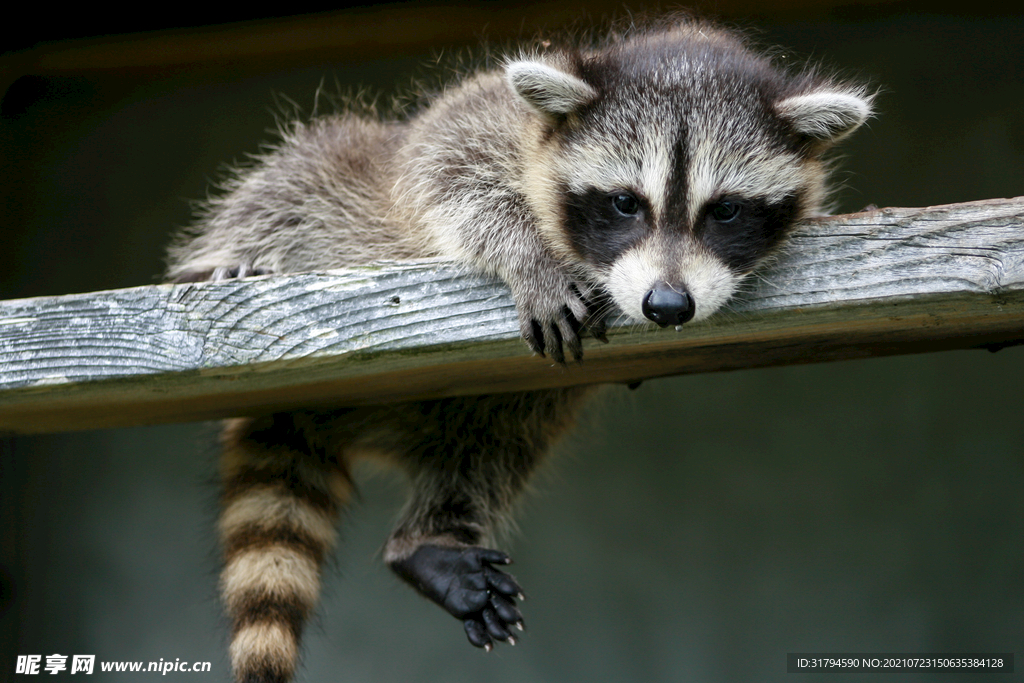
[517,172]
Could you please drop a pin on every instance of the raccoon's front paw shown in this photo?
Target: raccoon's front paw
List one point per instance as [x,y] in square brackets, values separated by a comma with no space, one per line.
[464,582]
[553,314]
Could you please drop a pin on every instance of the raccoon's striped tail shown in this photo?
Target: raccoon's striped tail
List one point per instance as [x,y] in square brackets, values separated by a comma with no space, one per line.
[280,503]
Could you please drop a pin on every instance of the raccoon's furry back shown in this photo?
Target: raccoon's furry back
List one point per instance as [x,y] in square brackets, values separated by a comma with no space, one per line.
[319,199]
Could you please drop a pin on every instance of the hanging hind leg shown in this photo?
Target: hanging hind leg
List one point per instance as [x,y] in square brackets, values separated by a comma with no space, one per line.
[471,459]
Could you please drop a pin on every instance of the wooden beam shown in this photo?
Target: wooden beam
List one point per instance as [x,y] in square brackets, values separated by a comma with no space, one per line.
[867,284]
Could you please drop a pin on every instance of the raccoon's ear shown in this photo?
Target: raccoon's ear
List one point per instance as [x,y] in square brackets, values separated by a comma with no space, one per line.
[549,90]
[826,116]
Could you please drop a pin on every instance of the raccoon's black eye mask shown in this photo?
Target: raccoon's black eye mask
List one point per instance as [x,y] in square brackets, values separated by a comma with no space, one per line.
[602,225]
[741,230]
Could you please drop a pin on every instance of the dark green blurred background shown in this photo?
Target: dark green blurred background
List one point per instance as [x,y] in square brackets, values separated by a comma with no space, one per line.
[697,529]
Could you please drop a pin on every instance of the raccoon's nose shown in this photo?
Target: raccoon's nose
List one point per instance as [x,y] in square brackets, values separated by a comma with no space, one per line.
[667,306]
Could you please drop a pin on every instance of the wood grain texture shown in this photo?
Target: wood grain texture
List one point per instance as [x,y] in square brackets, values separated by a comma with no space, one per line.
[875,283]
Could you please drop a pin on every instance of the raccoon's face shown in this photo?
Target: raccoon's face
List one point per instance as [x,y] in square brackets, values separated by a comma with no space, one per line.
[666,180]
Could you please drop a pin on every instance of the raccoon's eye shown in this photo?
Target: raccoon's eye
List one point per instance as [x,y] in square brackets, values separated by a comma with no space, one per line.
[724,211]
[626,204]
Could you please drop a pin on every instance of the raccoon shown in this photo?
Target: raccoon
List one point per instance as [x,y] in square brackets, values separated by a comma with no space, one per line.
[651,170]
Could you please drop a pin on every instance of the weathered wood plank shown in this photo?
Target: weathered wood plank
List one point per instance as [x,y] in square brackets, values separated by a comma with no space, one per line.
[875,283]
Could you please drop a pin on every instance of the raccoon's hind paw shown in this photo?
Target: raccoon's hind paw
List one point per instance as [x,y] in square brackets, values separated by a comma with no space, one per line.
[220,273]
[240,270]
[465,583]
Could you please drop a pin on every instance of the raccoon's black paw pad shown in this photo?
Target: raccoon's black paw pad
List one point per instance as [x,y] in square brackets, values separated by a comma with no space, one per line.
[465,583]
[240,270]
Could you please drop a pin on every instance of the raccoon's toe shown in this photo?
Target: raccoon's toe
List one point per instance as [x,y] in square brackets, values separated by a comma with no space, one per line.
[494,622]
[465,583]
[497,618]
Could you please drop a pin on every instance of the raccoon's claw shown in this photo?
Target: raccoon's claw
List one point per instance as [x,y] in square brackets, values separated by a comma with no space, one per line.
[464,582]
